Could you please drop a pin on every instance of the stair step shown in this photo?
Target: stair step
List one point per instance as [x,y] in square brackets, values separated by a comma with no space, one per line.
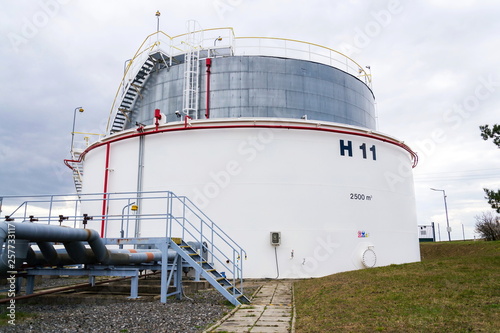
[176,240]
[131,92]
[220,282]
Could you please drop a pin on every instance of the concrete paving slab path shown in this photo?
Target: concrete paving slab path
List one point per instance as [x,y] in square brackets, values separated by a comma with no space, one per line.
[271,310]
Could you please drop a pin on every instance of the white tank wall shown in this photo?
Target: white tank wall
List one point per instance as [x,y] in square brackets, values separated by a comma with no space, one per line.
[251,181]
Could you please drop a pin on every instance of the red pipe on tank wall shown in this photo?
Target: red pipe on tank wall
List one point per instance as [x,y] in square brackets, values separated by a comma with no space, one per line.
[208,63]
[105,191]
[157,118]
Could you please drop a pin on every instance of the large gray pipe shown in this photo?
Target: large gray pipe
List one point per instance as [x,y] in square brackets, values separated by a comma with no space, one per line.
[49,253]
[116,257]
[52,233]
[37,258]
[76,252]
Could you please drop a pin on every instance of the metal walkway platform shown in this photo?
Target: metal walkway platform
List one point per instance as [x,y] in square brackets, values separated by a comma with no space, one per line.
[42,248]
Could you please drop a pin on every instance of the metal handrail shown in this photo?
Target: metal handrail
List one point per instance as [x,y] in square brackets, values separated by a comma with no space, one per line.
[193,222]
[176,45]
[237,269]
[346,63]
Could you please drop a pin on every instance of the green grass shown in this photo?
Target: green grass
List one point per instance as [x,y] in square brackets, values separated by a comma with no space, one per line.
[456,288]
[4,318]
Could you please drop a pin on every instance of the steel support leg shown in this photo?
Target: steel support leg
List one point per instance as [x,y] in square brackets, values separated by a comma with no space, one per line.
[30,284]
[19,284]
[178,278]
[134,287]
[164,272]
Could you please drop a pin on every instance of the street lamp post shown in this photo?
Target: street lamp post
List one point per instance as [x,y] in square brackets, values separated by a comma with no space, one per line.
[157,20]
[446,211]
[80,109]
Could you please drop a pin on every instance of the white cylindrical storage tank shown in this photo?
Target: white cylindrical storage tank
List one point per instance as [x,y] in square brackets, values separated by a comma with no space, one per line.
[289,163]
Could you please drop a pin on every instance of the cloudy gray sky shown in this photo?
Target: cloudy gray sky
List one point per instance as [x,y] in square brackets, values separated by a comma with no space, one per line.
[435,71]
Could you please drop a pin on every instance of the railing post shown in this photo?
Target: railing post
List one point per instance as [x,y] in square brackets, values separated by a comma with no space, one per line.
[170,217]
[167,217]
[212,242]
[201,234]
[234,271]
[25,211]
[183,216]
[50,207]
[105,216]
[76,212]
[241,270]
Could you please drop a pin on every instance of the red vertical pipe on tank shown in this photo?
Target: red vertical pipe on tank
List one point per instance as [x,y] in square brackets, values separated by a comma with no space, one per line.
[157,118]
[105,191]
[208,63]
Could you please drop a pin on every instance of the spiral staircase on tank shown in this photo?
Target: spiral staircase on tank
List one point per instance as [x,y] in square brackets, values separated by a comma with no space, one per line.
[132,89]
[130,94]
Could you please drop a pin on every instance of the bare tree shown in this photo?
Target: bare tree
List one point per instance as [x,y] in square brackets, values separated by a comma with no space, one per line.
[488,226]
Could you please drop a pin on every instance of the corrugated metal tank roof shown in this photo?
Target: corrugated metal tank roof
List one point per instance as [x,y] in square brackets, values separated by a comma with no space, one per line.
[261,86]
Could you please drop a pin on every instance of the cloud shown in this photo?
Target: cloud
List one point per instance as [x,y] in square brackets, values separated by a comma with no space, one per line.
[426,58]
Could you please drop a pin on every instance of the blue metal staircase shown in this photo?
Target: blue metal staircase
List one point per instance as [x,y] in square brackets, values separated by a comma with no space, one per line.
[208,272]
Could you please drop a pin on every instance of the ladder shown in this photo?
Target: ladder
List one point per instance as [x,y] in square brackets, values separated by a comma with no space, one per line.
[191,79]
[77,169]
[220,282]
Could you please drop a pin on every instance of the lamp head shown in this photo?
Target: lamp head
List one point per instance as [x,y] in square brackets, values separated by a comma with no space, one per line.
[80,110]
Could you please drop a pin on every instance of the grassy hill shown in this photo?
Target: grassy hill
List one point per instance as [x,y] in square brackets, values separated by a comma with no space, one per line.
[455,288]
